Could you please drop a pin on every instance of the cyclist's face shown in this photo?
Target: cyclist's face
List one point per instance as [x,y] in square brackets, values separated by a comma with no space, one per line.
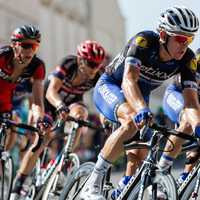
[26,50]
[178,44]
[88,69]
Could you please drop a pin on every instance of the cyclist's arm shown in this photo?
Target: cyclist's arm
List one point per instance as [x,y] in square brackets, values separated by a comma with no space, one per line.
[37,105]
[131,89]
[190,89]
[192,107]
[52,94]
[38,92]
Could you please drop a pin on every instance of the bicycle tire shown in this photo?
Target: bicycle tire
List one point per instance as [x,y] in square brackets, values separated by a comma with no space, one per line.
[186,194]
[50,191]
[7,176]
[82,172]
[164,180]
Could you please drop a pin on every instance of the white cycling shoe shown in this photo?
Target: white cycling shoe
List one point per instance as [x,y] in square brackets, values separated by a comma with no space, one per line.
[92,190]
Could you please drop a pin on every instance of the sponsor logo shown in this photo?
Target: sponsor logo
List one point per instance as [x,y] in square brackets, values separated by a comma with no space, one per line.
[105,92]
[141,41]
[193,64]
[155,73]
[174,102]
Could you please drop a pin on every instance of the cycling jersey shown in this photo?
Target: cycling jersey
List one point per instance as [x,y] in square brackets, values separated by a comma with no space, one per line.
[36,70]
[142,52]
[69,93]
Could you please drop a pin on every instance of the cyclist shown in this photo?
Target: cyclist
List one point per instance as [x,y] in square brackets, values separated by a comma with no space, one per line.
[18,63]
[122,92]
[173,105]
[66,85]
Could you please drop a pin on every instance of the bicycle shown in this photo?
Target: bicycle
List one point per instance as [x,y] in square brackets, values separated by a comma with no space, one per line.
[190,186]
[148,174]
[6,162]
[45,181]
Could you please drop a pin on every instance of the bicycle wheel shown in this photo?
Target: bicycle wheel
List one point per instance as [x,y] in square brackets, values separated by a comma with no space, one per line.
[165,183]
[7,174]
[187,193]
[76,182]
[58,178]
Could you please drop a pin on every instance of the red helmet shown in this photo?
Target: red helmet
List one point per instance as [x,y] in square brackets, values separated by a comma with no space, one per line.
[91,51]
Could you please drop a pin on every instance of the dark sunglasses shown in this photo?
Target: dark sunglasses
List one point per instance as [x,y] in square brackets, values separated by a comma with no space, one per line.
[33,46]
[91,65]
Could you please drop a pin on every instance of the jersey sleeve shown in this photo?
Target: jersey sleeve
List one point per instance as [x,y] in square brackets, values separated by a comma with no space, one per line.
[138,47]
[188,72]
[62,69]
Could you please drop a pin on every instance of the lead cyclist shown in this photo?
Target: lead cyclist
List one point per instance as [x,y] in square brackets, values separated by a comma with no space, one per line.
[122,92]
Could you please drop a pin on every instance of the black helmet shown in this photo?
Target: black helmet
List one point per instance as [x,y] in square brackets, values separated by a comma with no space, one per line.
[26,32]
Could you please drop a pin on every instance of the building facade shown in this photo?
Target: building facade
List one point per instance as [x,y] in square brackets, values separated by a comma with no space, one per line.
[64,24]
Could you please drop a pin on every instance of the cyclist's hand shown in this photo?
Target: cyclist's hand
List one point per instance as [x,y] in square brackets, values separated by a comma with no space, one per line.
[44,124]
[62,111]
[143,117]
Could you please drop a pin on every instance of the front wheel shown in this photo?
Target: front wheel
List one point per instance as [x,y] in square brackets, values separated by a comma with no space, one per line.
[59,177]
[163,187]
[7,174]
[74,184]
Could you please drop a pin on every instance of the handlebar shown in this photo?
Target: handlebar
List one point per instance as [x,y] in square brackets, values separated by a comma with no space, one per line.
[162,130]
[9,122]
[167,131]
[81,123]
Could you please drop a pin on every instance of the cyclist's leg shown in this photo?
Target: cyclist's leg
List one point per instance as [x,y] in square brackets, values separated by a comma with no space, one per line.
[29,161]
[111,103]
[173,104]
[78,111]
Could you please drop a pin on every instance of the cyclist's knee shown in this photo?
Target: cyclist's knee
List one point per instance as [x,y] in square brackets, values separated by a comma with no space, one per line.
[128,129]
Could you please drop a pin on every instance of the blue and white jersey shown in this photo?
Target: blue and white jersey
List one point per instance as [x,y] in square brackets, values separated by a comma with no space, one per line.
[142,51]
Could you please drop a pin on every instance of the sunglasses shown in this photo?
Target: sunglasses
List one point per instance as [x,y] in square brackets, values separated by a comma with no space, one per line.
[182,38]
[25,45]
[91,65]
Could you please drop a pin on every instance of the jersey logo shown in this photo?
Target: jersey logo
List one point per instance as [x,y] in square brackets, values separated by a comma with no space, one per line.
[141,41]
[193,64]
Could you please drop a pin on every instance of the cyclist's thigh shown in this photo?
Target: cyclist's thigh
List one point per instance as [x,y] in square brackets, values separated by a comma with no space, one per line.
[108,96]
[173,103]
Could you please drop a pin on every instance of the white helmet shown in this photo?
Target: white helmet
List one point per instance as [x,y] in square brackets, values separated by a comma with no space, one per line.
[179,20]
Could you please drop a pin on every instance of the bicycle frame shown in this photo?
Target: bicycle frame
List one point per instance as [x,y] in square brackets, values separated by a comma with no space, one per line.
[145,170]
[43,176]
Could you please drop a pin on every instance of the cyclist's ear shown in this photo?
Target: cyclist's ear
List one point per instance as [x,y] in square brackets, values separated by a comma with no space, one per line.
[163,36]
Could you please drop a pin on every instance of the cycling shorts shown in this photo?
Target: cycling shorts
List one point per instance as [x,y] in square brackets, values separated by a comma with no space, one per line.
[108,96]
[173,103]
